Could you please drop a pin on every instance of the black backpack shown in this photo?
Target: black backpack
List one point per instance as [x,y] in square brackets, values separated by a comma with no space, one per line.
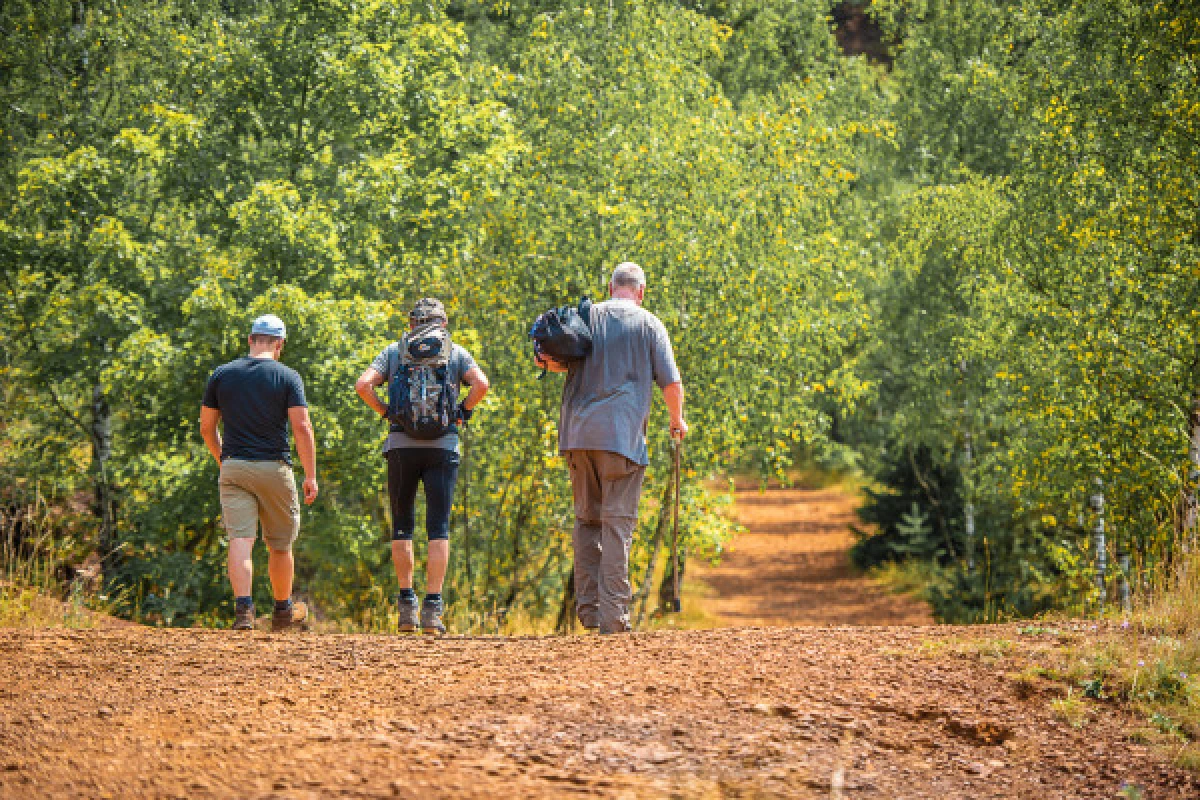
[564,334]
[421,398]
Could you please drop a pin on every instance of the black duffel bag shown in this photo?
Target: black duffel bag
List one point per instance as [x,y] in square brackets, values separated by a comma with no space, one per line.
[564,334]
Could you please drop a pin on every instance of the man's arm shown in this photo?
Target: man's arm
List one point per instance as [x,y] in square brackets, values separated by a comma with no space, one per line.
[209,417]
[551,364]
[306,446]
[365,387]
[479,387]
[673,396]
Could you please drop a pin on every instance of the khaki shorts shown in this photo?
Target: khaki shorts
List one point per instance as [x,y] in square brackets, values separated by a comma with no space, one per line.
[260,491]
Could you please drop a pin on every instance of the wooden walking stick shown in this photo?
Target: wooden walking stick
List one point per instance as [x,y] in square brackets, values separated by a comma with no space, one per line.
[677,448]
[466,477]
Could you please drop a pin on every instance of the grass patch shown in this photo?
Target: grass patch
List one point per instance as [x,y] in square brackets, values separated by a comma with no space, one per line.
[912,578]
[989,651]
[1131,791]
[33,559]
[1189,757]
[1034,680]
[695,610]
[29,607]
[1071,709]
[1150,663]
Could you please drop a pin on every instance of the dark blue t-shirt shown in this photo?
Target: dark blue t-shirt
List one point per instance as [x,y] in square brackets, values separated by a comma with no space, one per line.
[253,396]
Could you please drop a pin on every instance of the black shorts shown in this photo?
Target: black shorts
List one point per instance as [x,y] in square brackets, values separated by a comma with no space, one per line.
[437,469]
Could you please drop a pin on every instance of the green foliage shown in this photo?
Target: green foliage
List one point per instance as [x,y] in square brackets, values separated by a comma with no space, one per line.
[914,481]
[184,167]
[972,275]
[1042,304]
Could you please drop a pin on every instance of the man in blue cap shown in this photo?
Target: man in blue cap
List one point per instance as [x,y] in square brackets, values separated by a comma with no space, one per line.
[257,397]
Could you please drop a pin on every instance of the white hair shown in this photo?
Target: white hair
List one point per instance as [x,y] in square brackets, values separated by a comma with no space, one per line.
[628,275]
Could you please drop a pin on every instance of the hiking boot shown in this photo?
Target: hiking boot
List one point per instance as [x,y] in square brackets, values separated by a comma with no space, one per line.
[409,614]
[293,617]
[431,617]
[243,618]
[622,626]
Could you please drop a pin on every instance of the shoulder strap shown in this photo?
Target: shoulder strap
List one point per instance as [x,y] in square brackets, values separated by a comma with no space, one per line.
[402,349]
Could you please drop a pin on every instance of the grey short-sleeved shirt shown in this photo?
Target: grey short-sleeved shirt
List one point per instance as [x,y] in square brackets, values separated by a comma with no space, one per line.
[606,400]
[459,364]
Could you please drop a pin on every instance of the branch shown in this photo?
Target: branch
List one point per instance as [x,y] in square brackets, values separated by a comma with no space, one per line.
[27,327]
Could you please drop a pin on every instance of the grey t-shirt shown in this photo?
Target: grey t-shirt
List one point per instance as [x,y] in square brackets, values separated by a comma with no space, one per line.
[459,364]
[606,400]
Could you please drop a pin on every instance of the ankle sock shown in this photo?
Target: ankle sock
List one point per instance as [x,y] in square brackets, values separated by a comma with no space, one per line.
[408,594]
[283,605]
[433,597]
[243,602]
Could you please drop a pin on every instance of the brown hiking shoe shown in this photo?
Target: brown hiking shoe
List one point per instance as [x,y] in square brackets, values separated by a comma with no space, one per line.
[408,614]
[294,618]
[243,619]
[431,617]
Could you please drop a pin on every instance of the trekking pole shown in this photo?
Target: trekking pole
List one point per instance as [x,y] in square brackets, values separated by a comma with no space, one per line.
[677,448]
[466,478]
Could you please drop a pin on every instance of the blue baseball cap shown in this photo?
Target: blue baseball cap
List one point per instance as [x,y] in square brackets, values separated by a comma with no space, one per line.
[268,325]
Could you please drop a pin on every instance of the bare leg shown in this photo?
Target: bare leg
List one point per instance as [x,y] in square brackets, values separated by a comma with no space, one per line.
[435,572]
[281,567]
[402,560]
[241,565]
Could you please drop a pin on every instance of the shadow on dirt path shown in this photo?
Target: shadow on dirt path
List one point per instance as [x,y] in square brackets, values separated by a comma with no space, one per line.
[792,566]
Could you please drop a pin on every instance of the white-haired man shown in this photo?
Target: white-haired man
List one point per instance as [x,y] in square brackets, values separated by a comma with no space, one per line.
[602,433]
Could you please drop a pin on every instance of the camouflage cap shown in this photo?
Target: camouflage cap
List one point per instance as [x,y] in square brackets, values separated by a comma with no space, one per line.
[427,309]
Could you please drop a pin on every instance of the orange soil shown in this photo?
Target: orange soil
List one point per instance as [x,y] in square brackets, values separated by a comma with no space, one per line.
[733,713]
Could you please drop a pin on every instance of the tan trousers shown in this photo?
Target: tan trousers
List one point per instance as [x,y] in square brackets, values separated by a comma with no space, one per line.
[607,487]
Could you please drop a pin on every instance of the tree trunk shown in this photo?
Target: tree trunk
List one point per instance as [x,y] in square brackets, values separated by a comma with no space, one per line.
[660,532]
[566,614]
[1099,544]
[105,498]
[1192,497]
[519,524]
[969,506]
[666,589]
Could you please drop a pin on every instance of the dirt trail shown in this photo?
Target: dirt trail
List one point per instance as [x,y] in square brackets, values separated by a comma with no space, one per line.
[799,712]
[791,566]
[751,713]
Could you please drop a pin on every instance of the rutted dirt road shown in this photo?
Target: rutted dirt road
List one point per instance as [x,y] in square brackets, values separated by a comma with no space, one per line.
[792,566]
[895,712]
